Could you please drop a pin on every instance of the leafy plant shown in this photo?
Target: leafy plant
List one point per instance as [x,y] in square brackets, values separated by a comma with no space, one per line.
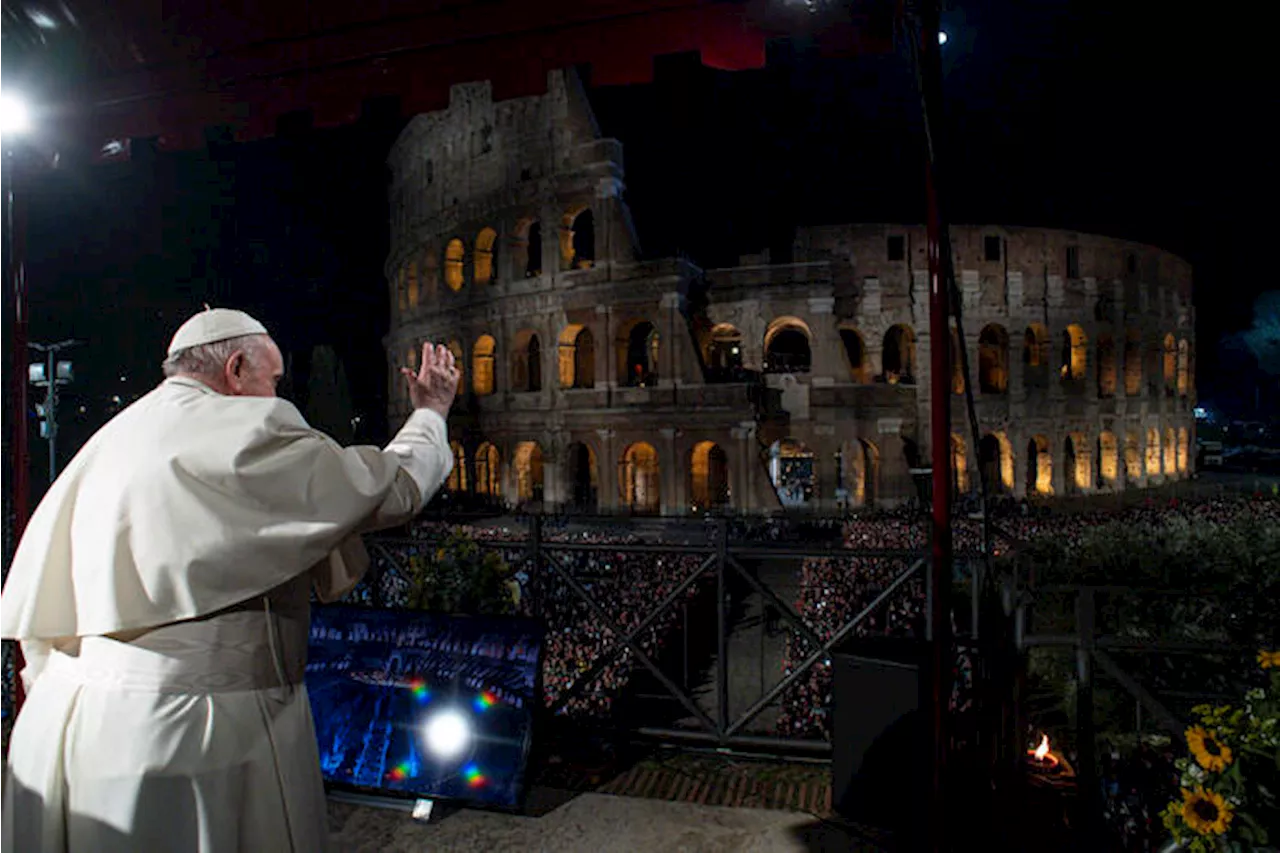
[461,577]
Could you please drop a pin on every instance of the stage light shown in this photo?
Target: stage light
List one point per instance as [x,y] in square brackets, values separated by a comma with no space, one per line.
[14,118]
[448,734]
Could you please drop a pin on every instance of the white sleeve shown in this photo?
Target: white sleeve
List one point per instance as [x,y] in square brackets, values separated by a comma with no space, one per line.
[422,450]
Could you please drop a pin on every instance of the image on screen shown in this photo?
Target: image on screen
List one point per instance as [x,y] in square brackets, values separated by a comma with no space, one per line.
[420,704]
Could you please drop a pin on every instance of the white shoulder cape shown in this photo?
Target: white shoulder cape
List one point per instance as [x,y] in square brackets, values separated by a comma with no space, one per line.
[184,504]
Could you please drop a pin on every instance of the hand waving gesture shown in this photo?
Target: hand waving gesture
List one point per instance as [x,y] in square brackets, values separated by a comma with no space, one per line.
[436,382]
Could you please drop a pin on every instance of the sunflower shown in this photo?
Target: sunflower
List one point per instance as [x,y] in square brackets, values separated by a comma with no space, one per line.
[1267,659]
[1210,753]
[1205,811]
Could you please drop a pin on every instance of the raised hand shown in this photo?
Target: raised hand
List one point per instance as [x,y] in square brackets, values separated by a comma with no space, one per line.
[435,383]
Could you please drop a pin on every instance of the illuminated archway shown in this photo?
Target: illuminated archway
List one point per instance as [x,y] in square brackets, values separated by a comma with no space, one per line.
[1106,366]
[723,352]
[456,349]
[1132,363]
[1153,452]
[488,471]
[1184,362]
[1108,458]
[708,476]
[578,239]
[637,348]
[993,359]
[413,294]
[958,383]
[482,382]
[793,472]
[483,263]
[1132,458]
[959,465]
[1170,451]
[528,462]
[529,247]
[1170,352]
[526,362]
[1184,449]
[855,353]
[577,357]
[1075,353]
[866,473]
[787,346]
[898,358]
[1078,463]
[454,257]
[1035,356]
[995,456]
[639,480]
[457,481]
[1039,466]
[583,482]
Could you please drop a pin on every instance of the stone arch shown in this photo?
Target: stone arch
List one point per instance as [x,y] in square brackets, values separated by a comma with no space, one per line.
[529,472]
[723,353]
[488,470]
[1108,458]
[959,465]
[1184,449]
[457,481]
[1075,353]
[584,483]
[1184,365]
[1170,451]
[1153,452]
[482,265]
[787,346]
[455,256]
[578,239]
[1170,355]
[482,374]
[1077,465]
[866,483]
[993,359]
[855,354]
[1035,356]
[412,287]
[577,357]
[1039,466]
[898,360]
[636,348]
[1132,458]
[708,476]
[1106,366]
[526,361]
[640,478]
[1132,362]
[793,472]
[459,361]
[527,254]
[995,457]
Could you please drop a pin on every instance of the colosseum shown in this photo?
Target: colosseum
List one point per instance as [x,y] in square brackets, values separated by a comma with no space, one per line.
[598,379]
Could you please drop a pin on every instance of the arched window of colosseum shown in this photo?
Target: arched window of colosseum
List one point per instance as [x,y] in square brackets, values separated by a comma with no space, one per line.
[708,476]
[1170,450]
[995,456]
[899,357]
[959,465]
[578,239]
[577,357]
[1108,458]
[1132,459]
[1184,449]
[456,349]
[1132,363]
[482,365]
[526,362]
[583,481]
[637,348]
[724,353]
[793,472]
[993,359]
[1153,452]
[1079,463]
[1106,366]
[957,366]
[1035,356]
[457,481]
[454,257]
[1170,365]
[639,480]
[786,346]
[1075,353]
[402,290]
[1039,466]
[1184,364]
[413,296]
[488,471]
[528,462]
[529,247]
[483,261]
[855,353]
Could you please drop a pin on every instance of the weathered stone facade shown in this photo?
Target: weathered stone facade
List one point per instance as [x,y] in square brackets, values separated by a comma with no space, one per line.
[597,379]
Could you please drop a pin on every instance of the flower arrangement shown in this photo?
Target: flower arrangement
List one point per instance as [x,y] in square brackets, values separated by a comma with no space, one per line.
[1230,798]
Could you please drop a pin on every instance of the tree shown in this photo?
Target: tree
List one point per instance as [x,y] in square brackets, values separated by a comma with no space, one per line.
[1263,339]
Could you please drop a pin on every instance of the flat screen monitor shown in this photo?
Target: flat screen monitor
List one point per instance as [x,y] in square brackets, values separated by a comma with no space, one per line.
[413,705]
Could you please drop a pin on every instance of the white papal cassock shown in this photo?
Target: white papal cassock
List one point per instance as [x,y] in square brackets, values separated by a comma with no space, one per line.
[161,593]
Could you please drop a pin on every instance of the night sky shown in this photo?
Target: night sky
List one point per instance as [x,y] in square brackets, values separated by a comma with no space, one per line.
[1129,122]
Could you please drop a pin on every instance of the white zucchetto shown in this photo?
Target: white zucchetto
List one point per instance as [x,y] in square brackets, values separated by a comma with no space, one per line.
[212,325]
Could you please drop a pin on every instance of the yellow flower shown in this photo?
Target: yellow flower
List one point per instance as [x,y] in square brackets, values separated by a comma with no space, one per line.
[1210,753]
[1267,659]
[1205,811]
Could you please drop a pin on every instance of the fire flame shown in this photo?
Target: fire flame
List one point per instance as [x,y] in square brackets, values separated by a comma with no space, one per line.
[1043,749]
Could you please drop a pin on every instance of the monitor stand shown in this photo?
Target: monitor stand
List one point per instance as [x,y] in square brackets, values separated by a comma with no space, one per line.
[427,811]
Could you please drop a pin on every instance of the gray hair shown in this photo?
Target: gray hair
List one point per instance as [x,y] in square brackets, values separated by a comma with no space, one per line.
[209,359]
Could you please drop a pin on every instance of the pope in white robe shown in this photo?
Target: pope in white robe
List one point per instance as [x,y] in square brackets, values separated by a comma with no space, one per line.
[161,596]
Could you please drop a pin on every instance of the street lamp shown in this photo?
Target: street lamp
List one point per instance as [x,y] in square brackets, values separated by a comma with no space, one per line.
[51,375]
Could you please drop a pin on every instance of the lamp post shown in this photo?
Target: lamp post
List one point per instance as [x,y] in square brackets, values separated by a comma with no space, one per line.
[51,374]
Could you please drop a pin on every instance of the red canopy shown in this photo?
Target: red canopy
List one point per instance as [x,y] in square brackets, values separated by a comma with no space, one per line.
[156,68]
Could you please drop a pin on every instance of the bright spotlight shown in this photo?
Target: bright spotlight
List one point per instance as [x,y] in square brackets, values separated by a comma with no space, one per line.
[448,734]
[942,38]
[13,115]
